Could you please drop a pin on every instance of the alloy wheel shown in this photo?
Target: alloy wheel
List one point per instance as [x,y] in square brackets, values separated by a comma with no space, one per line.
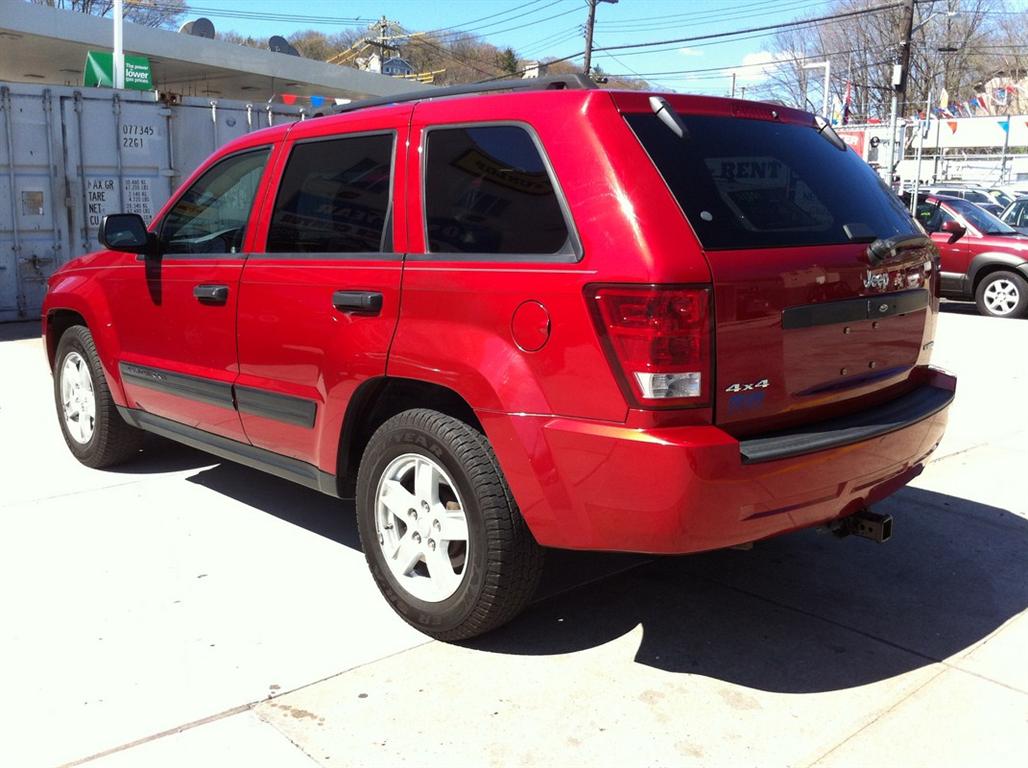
[78,399]
[1001,296]
[421,527]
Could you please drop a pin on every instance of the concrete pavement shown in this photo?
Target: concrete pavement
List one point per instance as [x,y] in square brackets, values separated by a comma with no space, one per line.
[184,611]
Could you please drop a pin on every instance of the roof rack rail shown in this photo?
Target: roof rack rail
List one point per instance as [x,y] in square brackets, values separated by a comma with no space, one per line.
[551,83]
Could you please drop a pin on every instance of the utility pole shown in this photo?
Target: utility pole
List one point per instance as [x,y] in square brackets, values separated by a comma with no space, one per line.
[589,36]
[899,80]
[733,85]
[590,22]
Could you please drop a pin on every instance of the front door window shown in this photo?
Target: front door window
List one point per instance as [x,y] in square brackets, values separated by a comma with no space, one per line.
[211,216]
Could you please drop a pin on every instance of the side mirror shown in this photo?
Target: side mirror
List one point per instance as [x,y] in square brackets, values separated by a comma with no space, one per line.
[125,232]
[955,229]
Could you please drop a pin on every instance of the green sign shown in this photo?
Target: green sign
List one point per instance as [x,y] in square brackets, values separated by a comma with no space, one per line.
[99,71]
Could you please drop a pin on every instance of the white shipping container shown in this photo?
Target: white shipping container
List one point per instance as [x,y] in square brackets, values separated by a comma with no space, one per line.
[68,156]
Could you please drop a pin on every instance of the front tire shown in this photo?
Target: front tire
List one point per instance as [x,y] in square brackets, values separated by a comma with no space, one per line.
[92,427]
[1002,294]
[442,535]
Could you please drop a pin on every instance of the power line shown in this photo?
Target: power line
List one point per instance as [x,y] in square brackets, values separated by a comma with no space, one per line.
[767,28]
[490,16]
[731,34]
[555,39]
[459,33]
[636,74]
[628,27]
[451,55]
[727,70]
[717,13]
[221,12]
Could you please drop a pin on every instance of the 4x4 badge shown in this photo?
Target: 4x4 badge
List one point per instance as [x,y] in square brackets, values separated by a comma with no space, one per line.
[741,387]
[877,280]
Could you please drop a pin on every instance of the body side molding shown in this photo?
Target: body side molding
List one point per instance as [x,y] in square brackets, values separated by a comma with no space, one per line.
[267,461]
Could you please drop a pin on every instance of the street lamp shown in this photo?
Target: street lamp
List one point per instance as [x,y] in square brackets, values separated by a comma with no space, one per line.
[828,79]
[119,47]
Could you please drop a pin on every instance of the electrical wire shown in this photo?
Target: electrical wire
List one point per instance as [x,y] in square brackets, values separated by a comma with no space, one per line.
[769,27]
[727,15]
[716,12]
[461,33]
[483,18]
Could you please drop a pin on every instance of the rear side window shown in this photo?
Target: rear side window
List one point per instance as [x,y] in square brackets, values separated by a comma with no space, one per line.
[334,197]
[761,184]
[488,191]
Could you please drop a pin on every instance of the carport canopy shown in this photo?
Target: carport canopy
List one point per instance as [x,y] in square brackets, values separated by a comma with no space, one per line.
[39,44]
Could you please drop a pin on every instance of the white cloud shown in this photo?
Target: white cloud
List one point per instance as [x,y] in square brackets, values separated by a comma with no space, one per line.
[690,52]
[759,65]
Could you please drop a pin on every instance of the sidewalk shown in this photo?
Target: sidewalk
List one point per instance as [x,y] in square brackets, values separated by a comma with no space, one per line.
[188,612]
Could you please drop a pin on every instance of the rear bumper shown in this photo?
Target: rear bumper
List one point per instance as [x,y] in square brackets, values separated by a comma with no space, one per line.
[591,485]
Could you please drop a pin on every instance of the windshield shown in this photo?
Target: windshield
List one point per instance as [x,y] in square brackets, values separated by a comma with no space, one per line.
[760,184]
[979,218]
[1002,197]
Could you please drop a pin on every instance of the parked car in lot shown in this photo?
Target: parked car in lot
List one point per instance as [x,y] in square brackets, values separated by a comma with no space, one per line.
[984,259]
[992,199]
[563,317]
[1013,191]
[1016,215]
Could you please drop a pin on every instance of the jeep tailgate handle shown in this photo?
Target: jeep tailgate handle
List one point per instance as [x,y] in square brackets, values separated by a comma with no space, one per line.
[211,294]
[365,302]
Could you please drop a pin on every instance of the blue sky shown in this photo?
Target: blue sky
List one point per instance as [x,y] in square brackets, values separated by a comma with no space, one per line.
[540,28]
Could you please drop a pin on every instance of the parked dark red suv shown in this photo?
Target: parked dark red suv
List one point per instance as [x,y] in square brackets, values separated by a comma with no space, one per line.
[563,317]
[984,259]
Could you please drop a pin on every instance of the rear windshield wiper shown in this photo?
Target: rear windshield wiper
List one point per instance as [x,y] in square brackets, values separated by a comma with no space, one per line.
[888,247]
[824,128]
[667,115]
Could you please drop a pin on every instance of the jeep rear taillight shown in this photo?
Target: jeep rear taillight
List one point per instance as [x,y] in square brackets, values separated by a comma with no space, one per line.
[658,340]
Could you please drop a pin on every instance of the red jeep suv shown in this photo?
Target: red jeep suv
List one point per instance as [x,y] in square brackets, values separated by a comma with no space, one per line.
[554,317]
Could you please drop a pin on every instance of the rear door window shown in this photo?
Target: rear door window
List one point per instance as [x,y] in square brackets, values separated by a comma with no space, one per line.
[335,197]
[760,184]
[489,191]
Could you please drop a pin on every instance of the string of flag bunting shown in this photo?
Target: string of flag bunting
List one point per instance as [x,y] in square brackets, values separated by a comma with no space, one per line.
[980,105]
[292,99]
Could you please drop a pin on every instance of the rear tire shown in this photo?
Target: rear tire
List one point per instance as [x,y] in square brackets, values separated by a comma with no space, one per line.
[92,427]
[1002,294]
[442,535]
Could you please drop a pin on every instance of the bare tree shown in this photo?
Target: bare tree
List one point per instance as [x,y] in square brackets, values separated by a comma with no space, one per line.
[238,39]
[956,51]
[148,13]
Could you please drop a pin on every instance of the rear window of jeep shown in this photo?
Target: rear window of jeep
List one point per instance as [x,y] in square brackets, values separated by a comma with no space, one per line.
[761,184]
